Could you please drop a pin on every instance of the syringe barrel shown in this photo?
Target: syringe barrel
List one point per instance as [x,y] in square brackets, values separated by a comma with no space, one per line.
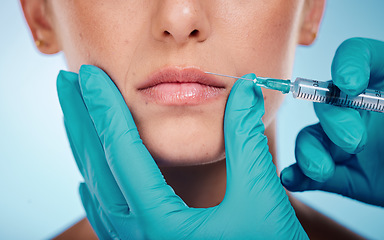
[327,92]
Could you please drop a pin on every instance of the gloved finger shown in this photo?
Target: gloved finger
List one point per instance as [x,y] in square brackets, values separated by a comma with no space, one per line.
[247,154]
[358,63]
[79,164]
[295,180]
[95,215]
[85,144]
[243,128]
[251,174]
[312,153]
[68,92]
[344,126]
[344,181]
[134,169]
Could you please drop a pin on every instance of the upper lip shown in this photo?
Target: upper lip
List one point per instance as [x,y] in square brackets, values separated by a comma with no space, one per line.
[181,75]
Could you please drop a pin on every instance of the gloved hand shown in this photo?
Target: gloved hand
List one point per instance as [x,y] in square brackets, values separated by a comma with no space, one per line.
[344,153]
[125,195]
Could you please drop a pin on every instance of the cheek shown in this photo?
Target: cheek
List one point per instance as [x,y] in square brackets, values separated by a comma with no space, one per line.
[106,41]
[263,41]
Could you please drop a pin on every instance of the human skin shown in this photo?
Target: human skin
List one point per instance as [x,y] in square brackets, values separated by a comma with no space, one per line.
[130,40]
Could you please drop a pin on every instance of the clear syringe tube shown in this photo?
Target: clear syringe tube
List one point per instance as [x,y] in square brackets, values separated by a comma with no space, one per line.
[322,92]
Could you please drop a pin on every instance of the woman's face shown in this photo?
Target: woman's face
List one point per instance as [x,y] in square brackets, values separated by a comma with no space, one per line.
[156,53]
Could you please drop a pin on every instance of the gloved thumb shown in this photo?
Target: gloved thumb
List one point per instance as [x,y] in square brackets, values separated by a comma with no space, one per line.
[249,163]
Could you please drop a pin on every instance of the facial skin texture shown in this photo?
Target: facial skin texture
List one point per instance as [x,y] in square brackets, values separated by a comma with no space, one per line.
[132,39]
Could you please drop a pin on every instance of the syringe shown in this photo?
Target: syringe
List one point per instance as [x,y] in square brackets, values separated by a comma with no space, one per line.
[321,92]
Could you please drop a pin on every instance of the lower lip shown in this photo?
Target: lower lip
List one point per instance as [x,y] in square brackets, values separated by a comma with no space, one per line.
[181,93]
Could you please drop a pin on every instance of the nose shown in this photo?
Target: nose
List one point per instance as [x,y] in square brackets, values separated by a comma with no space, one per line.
[180,21]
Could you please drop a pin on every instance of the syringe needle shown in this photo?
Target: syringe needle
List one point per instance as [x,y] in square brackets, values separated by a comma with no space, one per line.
[269,83]
[228,76]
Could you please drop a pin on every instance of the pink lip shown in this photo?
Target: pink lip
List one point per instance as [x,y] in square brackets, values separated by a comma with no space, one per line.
[181,86]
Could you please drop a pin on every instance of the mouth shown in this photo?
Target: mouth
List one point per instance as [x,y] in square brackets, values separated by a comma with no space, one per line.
[181,86]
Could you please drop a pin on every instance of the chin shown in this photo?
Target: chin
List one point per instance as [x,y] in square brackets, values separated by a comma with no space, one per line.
[187,147]
[175,158]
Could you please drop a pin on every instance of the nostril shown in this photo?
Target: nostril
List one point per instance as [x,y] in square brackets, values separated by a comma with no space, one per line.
[194,33]
[181,36]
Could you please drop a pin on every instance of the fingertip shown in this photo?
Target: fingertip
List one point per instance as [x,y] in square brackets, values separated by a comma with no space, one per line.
[244,84]
[257,89]
[67,87]
[87,72]
[64,74]
[351,66]
[243,94]
[319,168]
[64,77]
[287,177]
[311,154]
[316,165]
[245,107]
[89,69]
[95,79]
[292,178]
[344,126]
[250,76]
[350,80]
[325,171]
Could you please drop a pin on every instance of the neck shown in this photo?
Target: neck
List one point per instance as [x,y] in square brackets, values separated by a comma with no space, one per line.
[204,185]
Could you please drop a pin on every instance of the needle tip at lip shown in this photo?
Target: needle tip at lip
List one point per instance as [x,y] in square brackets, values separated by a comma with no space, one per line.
[222,75]
[229,76]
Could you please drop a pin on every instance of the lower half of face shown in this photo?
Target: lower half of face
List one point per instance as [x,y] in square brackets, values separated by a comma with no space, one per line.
[157,58]
[189,135]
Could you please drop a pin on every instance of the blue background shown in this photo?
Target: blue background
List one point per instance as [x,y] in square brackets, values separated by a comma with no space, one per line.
[38,176]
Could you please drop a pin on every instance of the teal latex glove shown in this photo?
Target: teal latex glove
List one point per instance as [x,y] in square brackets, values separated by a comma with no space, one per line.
[344,153]
[125,194]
